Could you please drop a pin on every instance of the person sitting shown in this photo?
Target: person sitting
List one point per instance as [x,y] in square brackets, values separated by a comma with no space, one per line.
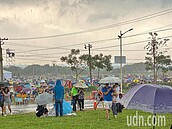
[119,105]
[41,111]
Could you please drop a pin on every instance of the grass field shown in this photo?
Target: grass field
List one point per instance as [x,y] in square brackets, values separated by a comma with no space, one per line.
[89,119]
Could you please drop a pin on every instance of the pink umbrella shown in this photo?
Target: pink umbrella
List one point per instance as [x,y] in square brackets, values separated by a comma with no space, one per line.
[18,88]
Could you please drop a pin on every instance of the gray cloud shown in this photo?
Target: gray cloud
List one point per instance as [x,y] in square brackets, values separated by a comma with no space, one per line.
[114,9]
[3,20]
[97,17]
[166,3]
[20,2]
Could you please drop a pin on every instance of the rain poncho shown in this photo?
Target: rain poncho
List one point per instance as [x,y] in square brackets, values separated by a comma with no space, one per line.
[58,90]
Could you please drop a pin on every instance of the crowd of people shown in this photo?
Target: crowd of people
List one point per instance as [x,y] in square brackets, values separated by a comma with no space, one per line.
[108,95]
[111,97]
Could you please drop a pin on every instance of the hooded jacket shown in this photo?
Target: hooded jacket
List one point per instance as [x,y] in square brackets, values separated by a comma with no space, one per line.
[58,91]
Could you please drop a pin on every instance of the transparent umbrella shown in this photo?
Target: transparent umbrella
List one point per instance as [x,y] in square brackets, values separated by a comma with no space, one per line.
[44,98]
[111,80]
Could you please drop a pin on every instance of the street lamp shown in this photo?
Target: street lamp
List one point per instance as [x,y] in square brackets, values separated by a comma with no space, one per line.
[120,37]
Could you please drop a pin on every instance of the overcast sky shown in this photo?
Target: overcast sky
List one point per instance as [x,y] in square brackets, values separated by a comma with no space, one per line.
[39,18]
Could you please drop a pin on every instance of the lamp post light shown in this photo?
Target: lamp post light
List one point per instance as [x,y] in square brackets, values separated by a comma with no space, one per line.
[120,37]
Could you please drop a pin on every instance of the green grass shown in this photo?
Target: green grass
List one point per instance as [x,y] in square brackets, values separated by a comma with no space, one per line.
[89,119]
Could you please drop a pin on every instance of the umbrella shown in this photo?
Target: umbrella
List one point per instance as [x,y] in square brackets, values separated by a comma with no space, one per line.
[26,90]
[80,85]
[51,82]
[149,98]
[44,98]
[110,80]
[18,88]
[27,85]
[42,81]
[51,85]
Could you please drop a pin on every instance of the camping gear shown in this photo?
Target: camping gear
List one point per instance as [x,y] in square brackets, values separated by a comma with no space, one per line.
[67,109]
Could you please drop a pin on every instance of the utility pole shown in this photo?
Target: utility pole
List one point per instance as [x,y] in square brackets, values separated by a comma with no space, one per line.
[89,46]
[120,37]
[1,58]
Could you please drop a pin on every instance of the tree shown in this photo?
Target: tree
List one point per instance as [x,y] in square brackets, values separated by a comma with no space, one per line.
[75,62]
[155,58]
[98,61]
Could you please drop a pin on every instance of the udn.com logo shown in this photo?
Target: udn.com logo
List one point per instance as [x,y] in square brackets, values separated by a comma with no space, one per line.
[151,120]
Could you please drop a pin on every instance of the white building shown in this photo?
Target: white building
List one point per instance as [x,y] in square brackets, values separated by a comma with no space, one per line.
[7,74]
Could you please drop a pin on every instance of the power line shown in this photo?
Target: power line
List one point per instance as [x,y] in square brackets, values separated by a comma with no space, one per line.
[45,49]
[95,41]
[123,50]
[33,59]
[100,48]
[132,43]
[134,59]
[103,27]
[46,53]
[147,32]
[159,29]
[24,45]
[38,56]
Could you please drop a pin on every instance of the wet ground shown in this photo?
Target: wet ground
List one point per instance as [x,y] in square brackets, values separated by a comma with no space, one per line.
[17,109]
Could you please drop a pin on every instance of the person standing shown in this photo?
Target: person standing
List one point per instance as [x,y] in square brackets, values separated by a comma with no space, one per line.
[59,96]
[81,99]
[74,94]
[107,94]
[7,100]
[1,100]
[114,102]
[118,89]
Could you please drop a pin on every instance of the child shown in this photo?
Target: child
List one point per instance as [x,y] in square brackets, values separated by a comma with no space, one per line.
[99,98]
[81,99]
[114,102]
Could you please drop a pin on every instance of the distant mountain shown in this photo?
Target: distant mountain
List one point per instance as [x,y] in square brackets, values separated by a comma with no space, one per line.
[21,66]
[32,70]
[137,68]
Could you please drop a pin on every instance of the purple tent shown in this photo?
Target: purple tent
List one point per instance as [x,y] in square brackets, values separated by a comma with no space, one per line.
[149,98]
